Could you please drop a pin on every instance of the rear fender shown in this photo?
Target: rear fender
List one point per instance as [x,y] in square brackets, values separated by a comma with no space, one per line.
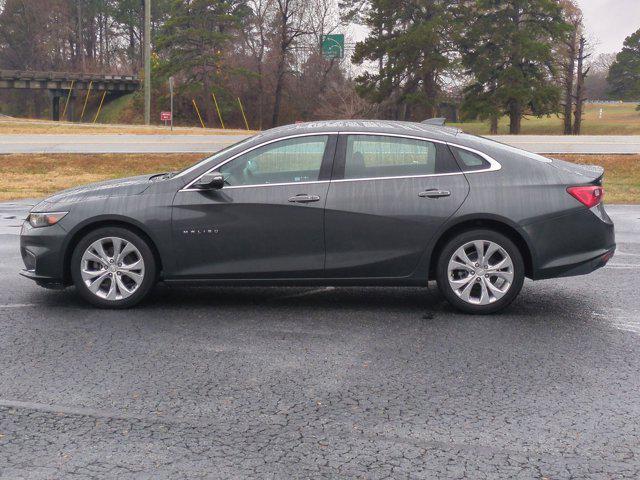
[458,224]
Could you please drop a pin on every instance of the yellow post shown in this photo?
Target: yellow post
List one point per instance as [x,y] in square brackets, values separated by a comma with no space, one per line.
[197,111]
[86,100]
[66,104]
[218,109]
[243,115]
[99,107]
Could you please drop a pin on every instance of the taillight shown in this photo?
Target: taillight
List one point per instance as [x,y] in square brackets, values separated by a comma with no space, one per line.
[589,196]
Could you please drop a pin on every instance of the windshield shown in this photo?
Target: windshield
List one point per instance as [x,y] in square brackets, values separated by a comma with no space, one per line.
[218,154]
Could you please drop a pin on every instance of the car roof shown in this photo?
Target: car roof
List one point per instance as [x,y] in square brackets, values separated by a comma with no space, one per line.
[434,132]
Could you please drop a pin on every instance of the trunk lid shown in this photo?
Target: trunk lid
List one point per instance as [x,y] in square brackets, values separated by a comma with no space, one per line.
[586,173]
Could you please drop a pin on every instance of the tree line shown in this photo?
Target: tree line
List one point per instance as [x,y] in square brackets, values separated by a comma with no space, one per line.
[471,59]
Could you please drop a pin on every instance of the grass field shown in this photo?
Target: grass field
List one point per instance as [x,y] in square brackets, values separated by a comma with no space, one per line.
[617,119]
[10,126]
[621,175]
[39,175]
[35,176]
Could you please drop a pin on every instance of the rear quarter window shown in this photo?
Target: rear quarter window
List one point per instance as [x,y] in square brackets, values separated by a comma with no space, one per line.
[470,161]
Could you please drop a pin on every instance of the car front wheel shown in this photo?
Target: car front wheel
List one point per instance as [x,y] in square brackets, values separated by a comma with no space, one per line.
[113,267]
[480,271]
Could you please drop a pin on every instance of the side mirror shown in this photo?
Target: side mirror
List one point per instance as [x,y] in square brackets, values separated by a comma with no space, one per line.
[210,181]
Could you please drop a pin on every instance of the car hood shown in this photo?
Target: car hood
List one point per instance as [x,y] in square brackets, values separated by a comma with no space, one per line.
[109,188]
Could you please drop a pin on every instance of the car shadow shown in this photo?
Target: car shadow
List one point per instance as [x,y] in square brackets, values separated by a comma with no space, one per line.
[532,305]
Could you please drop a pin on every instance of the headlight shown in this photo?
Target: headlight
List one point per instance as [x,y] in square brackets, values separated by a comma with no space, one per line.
[45,219]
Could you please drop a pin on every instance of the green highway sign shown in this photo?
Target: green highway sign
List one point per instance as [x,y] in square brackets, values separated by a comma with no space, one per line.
[333,45]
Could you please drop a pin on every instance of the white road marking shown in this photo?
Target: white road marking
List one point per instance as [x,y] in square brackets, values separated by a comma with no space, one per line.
[90,412]
[628,254]
[627,327]
[623,265]
[19,305]
[620,319]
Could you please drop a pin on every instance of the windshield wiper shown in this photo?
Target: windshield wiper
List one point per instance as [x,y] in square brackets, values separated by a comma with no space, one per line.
[162,176]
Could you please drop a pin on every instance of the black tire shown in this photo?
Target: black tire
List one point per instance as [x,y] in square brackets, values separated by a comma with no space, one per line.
[143,288]
[442,275]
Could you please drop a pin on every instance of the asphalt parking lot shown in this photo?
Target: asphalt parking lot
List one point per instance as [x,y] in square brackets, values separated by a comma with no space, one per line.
[335,383]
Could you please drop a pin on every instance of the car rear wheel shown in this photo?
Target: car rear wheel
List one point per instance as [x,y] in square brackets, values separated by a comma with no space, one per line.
[113,267]
[480,271]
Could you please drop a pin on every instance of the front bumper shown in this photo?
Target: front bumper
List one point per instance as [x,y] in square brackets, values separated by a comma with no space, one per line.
[43,254]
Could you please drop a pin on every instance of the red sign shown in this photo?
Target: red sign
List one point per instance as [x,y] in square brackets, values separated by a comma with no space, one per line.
[165,116]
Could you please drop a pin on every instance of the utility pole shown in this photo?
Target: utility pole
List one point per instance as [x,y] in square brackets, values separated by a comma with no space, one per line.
[147,62]
[171,92]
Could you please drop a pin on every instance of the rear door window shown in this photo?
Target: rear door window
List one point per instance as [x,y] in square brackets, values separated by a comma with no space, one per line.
[380,156]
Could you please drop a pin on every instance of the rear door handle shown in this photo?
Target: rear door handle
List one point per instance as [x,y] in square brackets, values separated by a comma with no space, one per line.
[304,198]
[434,193]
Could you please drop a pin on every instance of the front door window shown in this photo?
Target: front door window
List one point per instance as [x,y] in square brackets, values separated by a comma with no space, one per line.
[294,160]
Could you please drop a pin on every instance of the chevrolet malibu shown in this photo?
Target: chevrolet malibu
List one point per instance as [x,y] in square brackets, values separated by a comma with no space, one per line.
[374,203]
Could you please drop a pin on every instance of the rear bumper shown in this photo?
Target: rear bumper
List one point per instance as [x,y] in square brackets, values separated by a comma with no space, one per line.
[573,244]
[573,268]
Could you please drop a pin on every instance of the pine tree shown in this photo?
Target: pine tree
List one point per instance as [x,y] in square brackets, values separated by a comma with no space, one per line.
[194,39]
[624,74]
[408,43]
[507,47]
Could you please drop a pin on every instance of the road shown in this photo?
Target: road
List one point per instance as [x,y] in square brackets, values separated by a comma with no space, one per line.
[125,143]
[586,144]
[323,383]
[115,143]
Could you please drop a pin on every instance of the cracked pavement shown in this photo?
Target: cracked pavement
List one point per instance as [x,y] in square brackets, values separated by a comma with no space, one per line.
[323,383]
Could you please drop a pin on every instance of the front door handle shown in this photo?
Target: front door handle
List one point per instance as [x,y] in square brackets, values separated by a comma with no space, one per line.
[304,198]
[434,193]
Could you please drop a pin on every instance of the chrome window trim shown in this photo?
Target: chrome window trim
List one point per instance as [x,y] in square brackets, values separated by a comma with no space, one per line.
[214,168]
[230,187]
[426,175]
[494,164]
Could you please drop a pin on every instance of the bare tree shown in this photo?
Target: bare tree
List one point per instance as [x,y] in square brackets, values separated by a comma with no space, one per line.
[290,24]
[568,52]
[340,100]
[255,40]
[596,84]
[580,96]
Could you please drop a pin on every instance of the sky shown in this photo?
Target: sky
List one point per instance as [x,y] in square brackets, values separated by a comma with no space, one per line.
[609,22]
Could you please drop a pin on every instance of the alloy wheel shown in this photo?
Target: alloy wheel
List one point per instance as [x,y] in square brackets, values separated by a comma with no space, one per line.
[480,272]
[112,268]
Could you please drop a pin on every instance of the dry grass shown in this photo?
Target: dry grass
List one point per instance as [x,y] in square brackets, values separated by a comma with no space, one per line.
[38,175]
[621,175]
[19,126]
[617,119]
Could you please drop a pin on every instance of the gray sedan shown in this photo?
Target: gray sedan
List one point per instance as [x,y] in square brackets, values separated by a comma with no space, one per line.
[330,203]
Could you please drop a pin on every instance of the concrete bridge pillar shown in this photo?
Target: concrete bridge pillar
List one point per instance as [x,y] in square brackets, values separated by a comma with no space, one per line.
[55,108]
[58,101]
[55,96]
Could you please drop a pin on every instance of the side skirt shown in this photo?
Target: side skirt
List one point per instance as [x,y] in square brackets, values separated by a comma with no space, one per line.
[323,282]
